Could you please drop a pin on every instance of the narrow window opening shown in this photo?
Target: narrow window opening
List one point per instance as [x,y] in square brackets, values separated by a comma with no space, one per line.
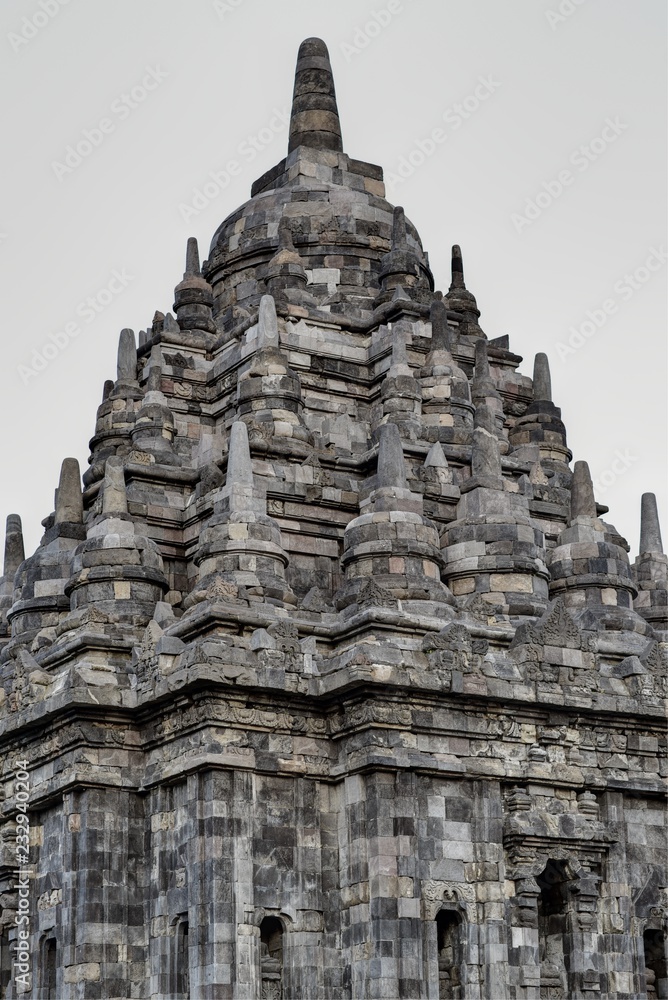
[552,929]
[271,958]
[50,969]
[182,961]
[656,975]
[448,931]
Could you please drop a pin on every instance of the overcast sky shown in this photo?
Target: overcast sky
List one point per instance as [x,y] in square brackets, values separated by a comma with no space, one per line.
[548,166]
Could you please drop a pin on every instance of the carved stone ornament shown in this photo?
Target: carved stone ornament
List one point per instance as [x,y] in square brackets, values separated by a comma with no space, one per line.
[372,595]
[436,892]
[557,628]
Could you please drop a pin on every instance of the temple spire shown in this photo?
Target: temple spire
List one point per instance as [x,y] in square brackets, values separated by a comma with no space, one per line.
[650,569]
[481,370]
[156,324]
[114,497]
[193,297]
[154,380]
[239,464]
[461,300]
[483,387]
[314,121]
[650,530]
[407,563]
[583,503]
[542,383]
[400,267]
[14,551]
[398,229]
[589,565]
[540,426]
[267,321]
[286,276]
[440,331]
[240,545]
[192,259]
[485,454]
[457,268]
[391,466]
[69,501]
[399,360]
[127,358]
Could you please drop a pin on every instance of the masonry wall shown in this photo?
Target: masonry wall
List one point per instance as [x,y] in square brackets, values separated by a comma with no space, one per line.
[357,871]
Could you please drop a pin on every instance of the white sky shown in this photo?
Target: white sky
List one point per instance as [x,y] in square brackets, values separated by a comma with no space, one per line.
[221,71]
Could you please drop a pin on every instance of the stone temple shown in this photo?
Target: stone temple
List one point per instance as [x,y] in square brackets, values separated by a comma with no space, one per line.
[330,678]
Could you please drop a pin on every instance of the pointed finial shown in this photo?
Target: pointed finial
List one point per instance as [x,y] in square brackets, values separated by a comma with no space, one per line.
[457,267]
[239,465]
[481,360]
[314,120]
[157,322]
[169,324]
[114,497]
[391,467]
[440,331]
[461,300]
[285,238]
[14,552]
[285,271]
[485,454]
[436,457]
[192,259]
[650,529]
[583,503]
[193,298]
[69,500]
[398,228]
[542,383]
[127,357]
[267,333]
[155,371]
[399,361]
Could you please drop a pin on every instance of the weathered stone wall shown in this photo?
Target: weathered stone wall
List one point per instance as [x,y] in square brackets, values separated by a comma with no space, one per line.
[357,871]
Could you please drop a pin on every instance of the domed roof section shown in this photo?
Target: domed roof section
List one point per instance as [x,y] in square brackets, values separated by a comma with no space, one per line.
[334,207]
